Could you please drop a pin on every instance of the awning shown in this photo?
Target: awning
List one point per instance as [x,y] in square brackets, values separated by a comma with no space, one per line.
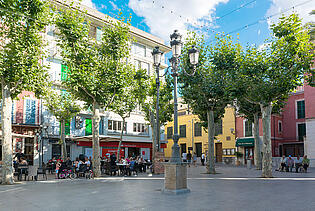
[16,135]
[245,142]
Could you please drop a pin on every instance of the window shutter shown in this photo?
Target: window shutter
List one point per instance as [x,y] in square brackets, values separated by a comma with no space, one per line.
[88,127]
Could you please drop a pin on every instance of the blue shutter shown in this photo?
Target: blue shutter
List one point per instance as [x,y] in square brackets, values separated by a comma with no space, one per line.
[30,111]
[101,126]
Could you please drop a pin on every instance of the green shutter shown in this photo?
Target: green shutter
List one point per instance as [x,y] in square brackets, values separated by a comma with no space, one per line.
[64,72]
[67,128]
[301,109]
[88,127]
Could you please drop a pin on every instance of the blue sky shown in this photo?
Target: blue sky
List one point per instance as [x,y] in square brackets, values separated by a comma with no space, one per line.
[161,17]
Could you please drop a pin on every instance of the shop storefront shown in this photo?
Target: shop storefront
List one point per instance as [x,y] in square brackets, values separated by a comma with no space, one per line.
[246,147]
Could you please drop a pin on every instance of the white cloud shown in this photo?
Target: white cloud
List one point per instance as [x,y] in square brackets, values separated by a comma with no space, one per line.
[113,5]
[88,3]
[279,6]
[164,16]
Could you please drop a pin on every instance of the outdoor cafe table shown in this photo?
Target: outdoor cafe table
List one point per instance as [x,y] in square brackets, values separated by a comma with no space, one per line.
[22,170]
[122,168]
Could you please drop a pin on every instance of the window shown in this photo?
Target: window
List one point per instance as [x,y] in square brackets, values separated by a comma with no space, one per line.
[301,131]
[30,111]
[64,72]
[145,66]
[138,49]
[182,148]
[248,128]
[88,127]
[99,33]
[169,132]
[140,128]
[181,113]
[197,130]
[182,131]
[279,127]
[300,109]
[218,127]
[116,125]
[228,138]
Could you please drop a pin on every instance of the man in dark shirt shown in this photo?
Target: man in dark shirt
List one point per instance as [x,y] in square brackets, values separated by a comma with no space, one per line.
[19,155]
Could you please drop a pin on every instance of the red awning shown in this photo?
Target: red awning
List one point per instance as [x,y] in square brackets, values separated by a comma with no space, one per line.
[115,144]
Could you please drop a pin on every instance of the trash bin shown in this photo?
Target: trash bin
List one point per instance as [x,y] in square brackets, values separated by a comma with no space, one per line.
[249,163]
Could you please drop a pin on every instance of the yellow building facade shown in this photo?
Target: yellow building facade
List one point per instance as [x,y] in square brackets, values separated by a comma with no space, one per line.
[193,138]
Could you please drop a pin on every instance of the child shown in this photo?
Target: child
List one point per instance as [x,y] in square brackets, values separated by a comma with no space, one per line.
[57,169]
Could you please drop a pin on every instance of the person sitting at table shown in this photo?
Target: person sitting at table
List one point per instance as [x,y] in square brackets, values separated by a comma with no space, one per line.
[23,161]
[133,167]
[19,155]
[87,162]
[68,162]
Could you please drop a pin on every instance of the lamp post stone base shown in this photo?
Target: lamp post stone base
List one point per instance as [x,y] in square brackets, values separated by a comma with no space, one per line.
[175,178]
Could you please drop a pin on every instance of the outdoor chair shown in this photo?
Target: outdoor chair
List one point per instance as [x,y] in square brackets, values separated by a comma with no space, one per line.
[82,170]
[32,172]
[42,171]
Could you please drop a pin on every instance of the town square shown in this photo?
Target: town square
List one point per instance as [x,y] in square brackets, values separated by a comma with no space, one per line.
[157,105]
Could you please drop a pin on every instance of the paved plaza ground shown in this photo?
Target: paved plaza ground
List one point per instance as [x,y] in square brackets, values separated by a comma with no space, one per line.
[233,188]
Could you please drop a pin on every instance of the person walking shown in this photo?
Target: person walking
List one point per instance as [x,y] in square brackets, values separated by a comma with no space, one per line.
[203,157]
[189,155]
[184,157]
[305,163]
[194,159]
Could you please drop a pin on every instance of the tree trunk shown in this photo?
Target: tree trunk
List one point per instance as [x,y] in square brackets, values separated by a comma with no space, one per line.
[267,155]
[121,136]
[96,140]
[257,154]
[210,159]
[7,158]
[63,140]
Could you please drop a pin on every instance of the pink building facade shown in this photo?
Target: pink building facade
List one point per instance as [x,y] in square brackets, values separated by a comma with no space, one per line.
[292,131]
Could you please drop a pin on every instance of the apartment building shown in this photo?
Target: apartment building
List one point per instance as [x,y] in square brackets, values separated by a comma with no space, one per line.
[137,137]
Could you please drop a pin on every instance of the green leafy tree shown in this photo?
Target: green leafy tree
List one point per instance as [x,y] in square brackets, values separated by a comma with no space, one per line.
[63,106]
[127,102]
[97,70]
[206,91]
[20,63]
[268,75]
[147,96]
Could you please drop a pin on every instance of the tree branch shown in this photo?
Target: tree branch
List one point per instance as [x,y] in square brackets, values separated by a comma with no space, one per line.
[111,100]
[16,85]
[93,98]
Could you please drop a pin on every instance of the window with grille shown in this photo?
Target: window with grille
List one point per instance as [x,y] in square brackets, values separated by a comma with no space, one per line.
[182,131]
[300,109]
[218,127]
[197,130]
[248,128]
[301,131]
[169,132]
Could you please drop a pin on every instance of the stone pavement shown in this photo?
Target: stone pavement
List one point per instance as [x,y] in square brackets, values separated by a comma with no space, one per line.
[233,188]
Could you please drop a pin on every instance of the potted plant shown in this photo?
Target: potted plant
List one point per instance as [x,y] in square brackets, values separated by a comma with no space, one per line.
[238,156]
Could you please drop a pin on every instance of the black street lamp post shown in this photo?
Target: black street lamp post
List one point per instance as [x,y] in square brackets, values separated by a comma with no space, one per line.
[157,54]
[175,168]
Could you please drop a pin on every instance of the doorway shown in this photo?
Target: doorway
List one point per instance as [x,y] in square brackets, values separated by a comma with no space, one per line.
[198,148]
[183,148]
[218,152]
[29,150]
[133,152]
